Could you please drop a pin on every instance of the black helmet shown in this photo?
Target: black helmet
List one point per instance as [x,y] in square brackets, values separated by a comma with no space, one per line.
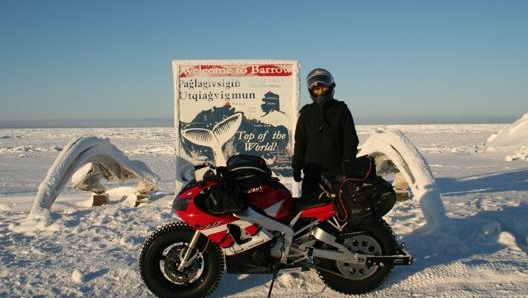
[317,77]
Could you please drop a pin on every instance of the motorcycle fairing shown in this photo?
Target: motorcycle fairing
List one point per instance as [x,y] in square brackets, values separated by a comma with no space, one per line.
[224,237]
[274,199]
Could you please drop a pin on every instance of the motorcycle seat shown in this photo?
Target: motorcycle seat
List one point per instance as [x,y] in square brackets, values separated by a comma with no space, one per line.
[308,201]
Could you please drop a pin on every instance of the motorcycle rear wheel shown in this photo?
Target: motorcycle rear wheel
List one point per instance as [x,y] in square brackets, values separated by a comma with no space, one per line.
[161,256]
[376,238]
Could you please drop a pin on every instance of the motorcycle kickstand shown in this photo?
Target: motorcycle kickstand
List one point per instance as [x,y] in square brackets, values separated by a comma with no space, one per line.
[275,273]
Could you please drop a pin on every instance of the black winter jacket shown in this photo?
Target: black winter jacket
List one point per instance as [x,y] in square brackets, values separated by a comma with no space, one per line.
[324,136]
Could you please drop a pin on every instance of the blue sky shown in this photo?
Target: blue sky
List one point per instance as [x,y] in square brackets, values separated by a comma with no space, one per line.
[64,59]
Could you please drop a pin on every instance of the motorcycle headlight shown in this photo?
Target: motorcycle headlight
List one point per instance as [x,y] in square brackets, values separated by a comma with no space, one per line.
[181,204]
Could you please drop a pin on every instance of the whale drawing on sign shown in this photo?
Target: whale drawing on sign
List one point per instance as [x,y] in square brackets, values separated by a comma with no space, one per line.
[216,137]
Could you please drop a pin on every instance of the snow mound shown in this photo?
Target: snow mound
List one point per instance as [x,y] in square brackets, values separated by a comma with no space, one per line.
[512,140]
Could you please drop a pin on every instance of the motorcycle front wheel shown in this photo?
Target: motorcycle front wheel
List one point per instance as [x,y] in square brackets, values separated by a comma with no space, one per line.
[376,238]
[162,254]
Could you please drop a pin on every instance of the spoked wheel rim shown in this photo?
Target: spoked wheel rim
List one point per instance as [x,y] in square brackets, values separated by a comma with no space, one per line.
[171,259]
[364,244]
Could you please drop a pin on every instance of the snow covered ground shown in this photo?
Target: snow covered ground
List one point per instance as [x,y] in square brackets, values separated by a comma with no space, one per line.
[93,251]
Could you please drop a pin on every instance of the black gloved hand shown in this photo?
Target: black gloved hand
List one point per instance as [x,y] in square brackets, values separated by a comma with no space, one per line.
[297,175]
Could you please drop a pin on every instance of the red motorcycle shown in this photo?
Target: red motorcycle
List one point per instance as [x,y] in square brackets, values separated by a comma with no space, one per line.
[239,219]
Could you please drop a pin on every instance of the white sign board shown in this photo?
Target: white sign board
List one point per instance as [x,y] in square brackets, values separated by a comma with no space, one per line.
[228,107]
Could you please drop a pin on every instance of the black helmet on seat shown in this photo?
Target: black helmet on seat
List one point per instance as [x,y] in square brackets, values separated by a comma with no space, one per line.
[320,78]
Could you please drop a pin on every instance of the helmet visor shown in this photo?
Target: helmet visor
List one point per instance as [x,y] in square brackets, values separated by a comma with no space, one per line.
[319,80]
[320,89]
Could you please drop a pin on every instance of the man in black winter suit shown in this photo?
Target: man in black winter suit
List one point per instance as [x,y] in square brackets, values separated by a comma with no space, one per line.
[325,134]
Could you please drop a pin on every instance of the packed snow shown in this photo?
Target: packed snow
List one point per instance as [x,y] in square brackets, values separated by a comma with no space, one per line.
[479,250]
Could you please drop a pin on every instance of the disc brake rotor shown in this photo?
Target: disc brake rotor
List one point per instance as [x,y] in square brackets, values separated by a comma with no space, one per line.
[171,260]
[363,244]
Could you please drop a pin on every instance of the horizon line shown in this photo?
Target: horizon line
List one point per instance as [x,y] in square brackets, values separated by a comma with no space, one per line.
[169,122]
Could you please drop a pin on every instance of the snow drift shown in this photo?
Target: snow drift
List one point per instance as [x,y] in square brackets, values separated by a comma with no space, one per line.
[512,140]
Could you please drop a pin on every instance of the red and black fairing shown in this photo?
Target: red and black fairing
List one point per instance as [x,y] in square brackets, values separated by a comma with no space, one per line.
[228,231]
[189,205]
[273,198]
